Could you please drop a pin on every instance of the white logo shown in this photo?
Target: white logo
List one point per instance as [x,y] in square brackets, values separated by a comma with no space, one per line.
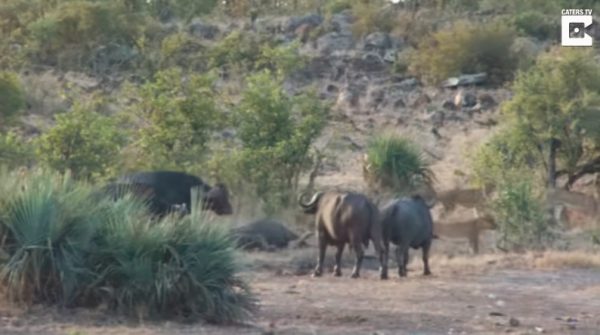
[574,23]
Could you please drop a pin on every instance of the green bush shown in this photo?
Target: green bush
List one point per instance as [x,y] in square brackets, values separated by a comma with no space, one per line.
[71,34]
[336,6]
[66,245]
[237,49]
[15,151]
[82,141]
[178,116]
[276,132]
[170,268]
[538,25]
[466,48]
[370,16]
[48,222]
[183,51]
[396,164]
[12,97]
[520,217]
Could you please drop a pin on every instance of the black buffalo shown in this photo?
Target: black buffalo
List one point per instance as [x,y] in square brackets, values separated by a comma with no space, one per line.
[408,224]
[166,190]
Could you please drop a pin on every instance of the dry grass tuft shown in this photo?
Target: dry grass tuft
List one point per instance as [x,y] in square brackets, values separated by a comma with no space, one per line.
[567,259]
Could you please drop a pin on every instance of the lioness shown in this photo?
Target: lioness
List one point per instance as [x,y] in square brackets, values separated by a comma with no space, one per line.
[469,229]
[469,198]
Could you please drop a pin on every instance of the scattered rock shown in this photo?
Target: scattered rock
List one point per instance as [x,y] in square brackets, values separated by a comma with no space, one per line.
[399,103]
[449,105]
[332,89]
[514,322]
[312,20]
[496,313]
[82,80]
[377,41]
[203,30]
[342,22]
[347,97]
[465,99]
[540,330]
[332,42]
[437,119]
[421,100]
[465,80]
[486,101]
[376,98]
[369,62]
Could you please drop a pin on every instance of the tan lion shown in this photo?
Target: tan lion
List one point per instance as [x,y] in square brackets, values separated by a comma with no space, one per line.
[469,198]
[469,229]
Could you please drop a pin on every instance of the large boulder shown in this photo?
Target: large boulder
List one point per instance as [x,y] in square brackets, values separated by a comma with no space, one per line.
[466,80]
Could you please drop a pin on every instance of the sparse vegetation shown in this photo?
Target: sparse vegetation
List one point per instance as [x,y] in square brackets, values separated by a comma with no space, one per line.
[466,48]
[12,97]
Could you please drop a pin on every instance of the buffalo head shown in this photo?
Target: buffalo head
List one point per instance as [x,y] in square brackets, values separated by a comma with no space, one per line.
[312,205]
[217,200]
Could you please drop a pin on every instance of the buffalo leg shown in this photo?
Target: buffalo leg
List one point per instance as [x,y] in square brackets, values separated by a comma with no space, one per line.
[426,247]
[337,270]
[321,239]
[401,259]
[383,273]
[358,250]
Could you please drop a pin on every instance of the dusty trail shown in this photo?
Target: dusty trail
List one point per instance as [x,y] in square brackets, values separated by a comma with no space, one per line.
[452,301]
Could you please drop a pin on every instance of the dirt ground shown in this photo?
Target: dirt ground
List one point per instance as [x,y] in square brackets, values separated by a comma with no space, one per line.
[552,293]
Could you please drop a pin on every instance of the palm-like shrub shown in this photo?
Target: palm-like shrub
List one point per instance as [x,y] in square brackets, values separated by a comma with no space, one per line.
[395,163]
[62,243]
[48,222]
[173,267]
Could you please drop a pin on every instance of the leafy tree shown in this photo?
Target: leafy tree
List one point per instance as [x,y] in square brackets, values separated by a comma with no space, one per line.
[83,141]
[556,107]
[176,116]
[276,132]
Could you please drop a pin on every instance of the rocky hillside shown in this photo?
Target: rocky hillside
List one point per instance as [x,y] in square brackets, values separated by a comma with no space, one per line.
[369,95]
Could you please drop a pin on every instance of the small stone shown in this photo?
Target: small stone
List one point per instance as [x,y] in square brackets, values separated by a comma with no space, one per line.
[540,329]
[496,314]
[423,99]
[514,322]
[500,303]
[449,105]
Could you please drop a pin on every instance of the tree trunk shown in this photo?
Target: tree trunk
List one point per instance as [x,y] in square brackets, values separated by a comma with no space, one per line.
[552,210]
[553,146]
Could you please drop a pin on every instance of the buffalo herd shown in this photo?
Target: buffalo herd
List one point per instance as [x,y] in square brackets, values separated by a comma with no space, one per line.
[340,217]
